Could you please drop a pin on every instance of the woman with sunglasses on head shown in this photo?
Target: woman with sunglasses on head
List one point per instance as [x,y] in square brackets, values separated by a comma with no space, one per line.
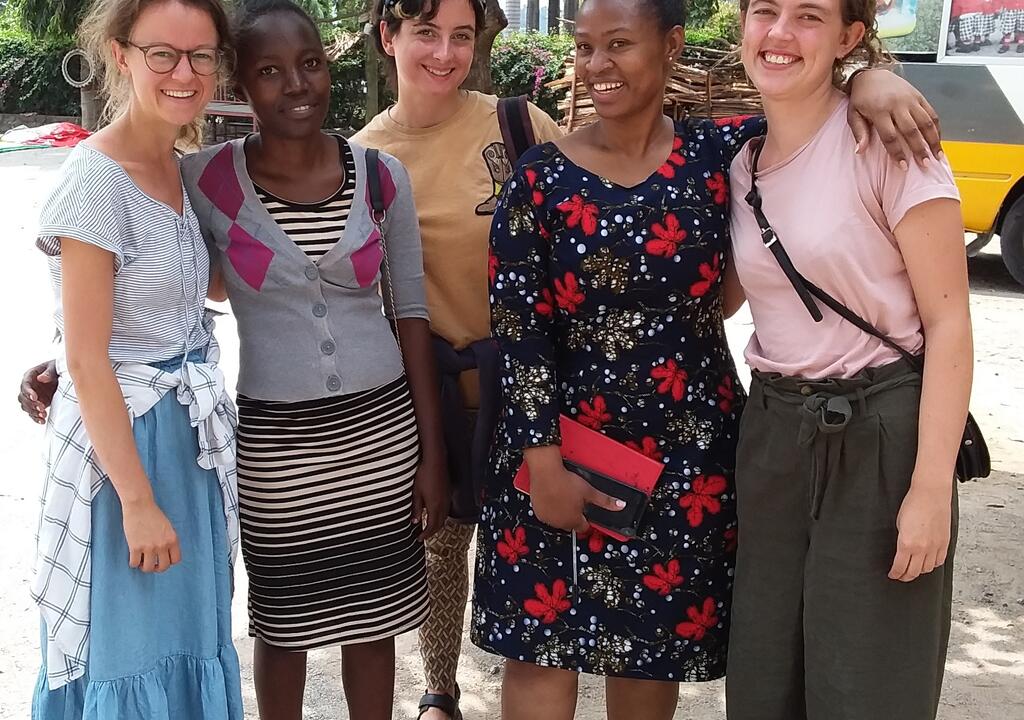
[606,302]
[844,473]
[139,519]
[451,143]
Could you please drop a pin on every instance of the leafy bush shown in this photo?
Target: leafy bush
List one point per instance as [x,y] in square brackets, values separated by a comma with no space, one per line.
[348,92]
[523,62]
[30,76]
[699,12]
[722,25]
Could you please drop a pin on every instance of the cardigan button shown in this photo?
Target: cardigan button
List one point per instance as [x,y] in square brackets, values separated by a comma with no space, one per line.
[311,272]
[327,347]
[319,310]
[334,383]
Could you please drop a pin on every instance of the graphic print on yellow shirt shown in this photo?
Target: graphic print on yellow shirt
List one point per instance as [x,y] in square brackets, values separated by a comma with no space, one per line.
[500,168]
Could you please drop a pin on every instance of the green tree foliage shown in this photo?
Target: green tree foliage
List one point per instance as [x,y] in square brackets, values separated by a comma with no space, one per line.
[523,62]
[50,18]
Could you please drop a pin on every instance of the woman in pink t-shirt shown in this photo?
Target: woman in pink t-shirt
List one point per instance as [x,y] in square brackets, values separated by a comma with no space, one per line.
[847,508]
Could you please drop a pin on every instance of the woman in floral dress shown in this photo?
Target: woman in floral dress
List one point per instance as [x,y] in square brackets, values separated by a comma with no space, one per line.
[608,250]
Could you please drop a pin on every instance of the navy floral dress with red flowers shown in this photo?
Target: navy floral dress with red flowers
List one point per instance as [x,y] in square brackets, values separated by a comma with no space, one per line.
[606,306]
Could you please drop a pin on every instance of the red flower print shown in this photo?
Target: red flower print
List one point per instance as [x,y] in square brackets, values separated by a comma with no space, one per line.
[546,305]
[648,446]
[668,170]
[663,579]
[547,605]
[701,620]
[709,273]
[730,540]
[531,179]
[580,213]
[703,496]
[492,264]
[726,394]
[673,379]
[514,546]
[595,539]
[735,120]
[668,237]
[718,185]
[567,293]
[594,414]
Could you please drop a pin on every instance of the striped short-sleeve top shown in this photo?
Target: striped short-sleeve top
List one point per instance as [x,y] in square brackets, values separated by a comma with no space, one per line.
[315,227]
[161,265]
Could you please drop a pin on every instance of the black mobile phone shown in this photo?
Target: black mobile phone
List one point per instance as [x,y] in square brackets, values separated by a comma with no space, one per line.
[626,521]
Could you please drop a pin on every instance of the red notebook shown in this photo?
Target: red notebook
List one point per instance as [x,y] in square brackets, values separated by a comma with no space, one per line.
[591,450]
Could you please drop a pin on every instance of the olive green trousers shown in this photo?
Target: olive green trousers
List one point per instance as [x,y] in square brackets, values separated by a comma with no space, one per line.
[819,631]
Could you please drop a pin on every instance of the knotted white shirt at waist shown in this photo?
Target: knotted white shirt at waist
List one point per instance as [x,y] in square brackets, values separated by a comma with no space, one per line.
[63,566]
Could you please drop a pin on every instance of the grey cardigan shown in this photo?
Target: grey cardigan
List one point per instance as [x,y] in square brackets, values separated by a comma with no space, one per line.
[308,330]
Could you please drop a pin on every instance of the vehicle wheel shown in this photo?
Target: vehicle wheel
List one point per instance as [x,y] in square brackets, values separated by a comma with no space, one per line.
[1011,240]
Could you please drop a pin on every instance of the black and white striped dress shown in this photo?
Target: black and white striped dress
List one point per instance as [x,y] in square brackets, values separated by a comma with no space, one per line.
[325,491]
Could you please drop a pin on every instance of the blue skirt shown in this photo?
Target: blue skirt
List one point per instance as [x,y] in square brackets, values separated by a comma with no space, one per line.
[160,643]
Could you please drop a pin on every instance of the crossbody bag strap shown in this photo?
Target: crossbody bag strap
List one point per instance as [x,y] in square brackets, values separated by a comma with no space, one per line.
[516,127]
[804,287]
[379,214]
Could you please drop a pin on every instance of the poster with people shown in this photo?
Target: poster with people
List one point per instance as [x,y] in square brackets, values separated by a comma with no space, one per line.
[983,31]
[910,27]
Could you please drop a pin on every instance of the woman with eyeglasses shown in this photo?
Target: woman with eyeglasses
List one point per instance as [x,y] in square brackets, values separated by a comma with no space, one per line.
[139,522]
[339,476]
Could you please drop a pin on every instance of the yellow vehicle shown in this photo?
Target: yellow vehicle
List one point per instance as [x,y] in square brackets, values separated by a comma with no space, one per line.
[981,107]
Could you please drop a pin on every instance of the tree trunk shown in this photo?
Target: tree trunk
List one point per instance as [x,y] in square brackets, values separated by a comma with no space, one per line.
[372,80]
[569,13]
[554,12]
[92,107]
[480,74]
[533,15]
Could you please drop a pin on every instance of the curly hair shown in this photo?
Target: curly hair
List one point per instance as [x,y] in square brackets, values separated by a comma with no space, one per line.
[395,12]
[113,20]
[869,52]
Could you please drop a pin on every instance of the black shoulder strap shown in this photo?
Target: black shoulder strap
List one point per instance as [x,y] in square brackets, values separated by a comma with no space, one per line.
[804,287]
[373,181]
[516,127]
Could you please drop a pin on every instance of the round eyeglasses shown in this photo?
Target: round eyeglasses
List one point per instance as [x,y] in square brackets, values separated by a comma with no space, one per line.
[162,59]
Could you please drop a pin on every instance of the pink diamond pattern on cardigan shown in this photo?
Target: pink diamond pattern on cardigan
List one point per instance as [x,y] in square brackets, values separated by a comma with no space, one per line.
[249,257]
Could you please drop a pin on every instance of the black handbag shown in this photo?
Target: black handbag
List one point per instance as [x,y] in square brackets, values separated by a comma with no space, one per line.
[972,460]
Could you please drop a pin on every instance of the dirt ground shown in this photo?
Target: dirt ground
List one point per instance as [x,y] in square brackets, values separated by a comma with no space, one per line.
[985,669]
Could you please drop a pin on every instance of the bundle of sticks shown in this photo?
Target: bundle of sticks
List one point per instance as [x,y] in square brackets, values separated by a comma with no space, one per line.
[705,82]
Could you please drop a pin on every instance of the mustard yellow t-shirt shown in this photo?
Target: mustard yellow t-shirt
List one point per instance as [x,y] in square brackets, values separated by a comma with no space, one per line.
[457,170]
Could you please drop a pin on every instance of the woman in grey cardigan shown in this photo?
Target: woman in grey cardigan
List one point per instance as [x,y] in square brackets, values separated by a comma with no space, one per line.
[331,465]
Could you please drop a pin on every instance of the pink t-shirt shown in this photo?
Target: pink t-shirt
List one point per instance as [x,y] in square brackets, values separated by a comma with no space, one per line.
[834,212]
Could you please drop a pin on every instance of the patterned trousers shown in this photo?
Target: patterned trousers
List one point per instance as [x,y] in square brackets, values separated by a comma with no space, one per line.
[448,587]
[987,25]
[1012,20]
[970,25]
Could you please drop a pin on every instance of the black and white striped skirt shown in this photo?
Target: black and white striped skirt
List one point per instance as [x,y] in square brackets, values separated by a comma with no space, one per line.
[325,490]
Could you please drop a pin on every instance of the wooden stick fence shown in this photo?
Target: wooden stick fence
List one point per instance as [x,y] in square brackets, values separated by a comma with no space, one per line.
[705,82]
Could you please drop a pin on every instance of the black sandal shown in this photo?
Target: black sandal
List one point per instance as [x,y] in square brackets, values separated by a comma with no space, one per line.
[443,702]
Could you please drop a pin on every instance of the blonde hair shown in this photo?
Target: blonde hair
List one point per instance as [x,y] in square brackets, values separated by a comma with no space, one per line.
[112,21]
[869,52]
